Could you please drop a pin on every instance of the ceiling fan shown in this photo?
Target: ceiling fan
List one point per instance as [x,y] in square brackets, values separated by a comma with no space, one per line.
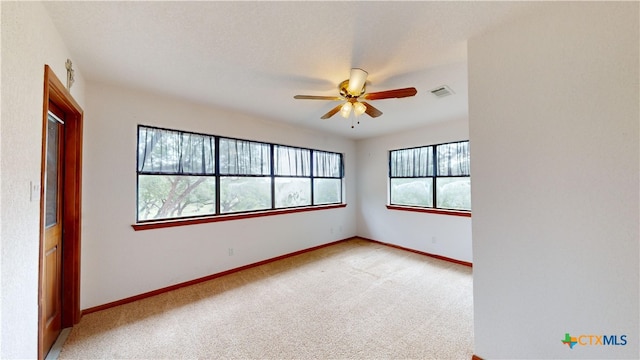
[353,91]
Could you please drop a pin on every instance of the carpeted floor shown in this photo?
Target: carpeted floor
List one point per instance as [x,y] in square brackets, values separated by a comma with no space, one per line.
[352,300]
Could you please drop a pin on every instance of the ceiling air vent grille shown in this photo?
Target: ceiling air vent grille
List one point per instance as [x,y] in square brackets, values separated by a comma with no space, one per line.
[442,91]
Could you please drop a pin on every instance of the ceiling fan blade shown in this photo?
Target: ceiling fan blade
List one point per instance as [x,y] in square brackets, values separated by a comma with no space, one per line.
[371,111]
[332,112]
[397,93]
[315,97]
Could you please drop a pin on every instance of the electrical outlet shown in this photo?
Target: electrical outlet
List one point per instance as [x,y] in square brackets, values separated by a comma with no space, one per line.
[230,251]
[434,240]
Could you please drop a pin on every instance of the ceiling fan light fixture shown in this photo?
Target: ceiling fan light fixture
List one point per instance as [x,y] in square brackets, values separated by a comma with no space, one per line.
[356,81]
[353,92]
[346,110]
[359,108]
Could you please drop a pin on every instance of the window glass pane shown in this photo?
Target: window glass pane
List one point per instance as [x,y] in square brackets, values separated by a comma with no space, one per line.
[290,161]
[51,186]
[240,157]
[327,191]
[172,196]
[175,152]
[292,192]
[454,193]
[453,159]
[416,162]
[244,193]
[327,164]
[414,192]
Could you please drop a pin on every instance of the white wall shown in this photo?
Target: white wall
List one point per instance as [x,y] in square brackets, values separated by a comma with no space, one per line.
[29,41]
[118,262]
[408,229]
[553,122]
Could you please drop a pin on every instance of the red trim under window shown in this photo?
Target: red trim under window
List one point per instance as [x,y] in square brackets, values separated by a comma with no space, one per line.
[216,218]
[430,210]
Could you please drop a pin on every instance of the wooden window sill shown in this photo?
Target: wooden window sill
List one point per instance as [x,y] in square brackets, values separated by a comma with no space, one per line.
[209,219]
[430,210]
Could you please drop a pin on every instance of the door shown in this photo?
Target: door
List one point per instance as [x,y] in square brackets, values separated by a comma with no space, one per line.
[53,210]
[60,213]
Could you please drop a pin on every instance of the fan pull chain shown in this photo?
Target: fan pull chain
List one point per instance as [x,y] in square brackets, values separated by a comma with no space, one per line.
[353,117]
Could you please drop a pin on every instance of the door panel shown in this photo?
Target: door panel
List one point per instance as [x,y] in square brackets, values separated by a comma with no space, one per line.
[52,251]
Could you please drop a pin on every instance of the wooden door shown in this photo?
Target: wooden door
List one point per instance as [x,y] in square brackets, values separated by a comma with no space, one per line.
[60,225]
[52,249]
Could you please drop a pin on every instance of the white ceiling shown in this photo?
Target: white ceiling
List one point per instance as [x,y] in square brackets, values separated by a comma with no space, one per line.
[253,57]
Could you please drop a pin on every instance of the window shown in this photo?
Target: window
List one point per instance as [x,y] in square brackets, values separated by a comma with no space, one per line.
[176,174]
[183,174]
[436,176]
[245,176]
[327,177]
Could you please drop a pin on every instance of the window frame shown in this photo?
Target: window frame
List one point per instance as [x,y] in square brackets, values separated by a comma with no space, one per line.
[433,176]
[233,215]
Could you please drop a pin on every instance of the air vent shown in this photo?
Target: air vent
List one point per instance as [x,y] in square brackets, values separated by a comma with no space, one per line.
[442,91]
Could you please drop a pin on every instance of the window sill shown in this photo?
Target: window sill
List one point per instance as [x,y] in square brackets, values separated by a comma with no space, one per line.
[209,219]
[430,211]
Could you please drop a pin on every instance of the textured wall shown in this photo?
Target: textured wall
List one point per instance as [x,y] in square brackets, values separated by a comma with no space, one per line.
[29,41]
[553,123]
[118,262]
[408,229]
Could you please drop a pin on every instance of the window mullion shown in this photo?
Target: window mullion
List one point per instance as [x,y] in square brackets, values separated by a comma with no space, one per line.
[434,156]
[272,173]
[217,172]
[311,175]
[341,174]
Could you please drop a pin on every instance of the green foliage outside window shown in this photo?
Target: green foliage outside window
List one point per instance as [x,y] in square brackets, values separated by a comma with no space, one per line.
[167,196]
[327,191]
[412,192]
[415,173]
[453,193]
[177,175]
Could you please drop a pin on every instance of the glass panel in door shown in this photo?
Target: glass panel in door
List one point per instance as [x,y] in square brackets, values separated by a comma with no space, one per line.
[51,180]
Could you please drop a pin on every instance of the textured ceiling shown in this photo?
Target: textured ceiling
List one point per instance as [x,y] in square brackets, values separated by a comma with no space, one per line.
[253,57]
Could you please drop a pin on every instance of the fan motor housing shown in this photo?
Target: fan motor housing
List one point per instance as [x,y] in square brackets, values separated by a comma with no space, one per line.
[345,93]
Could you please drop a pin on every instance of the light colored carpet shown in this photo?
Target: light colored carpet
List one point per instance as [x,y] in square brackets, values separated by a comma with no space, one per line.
[353,300]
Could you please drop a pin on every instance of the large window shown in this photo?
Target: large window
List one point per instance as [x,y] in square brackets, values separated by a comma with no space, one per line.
[183,174]
[436,176]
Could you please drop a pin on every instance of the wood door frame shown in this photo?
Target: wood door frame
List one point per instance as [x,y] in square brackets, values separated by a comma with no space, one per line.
[55,92]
